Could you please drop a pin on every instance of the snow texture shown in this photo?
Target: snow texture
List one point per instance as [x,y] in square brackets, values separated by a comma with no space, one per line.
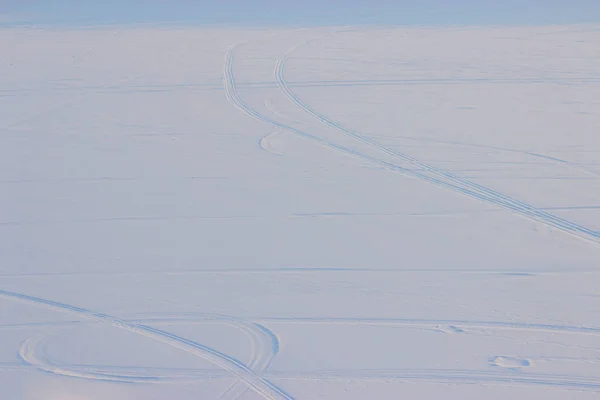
[323,213]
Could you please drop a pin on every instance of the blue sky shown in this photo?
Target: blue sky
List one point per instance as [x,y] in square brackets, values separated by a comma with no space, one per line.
[300,13]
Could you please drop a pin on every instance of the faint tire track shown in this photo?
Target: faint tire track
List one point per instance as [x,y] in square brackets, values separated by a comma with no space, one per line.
[451,376]
[556,160]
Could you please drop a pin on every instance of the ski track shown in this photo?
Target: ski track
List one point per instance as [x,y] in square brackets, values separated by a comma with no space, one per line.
[261,386]
[442,177]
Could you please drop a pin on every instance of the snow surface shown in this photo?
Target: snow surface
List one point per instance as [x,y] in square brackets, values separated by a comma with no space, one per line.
[333,213]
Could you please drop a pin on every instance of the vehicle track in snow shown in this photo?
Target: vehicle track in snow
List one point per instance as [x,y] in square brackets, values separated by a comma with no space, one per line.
[440,178]
[265,347]
[451,376]
[236,368]
[538,155]
[32,352]
[453,181]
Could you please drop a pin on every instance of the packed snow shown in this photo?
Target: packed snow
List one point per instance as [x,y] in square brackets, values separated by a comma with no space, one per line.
[323,213]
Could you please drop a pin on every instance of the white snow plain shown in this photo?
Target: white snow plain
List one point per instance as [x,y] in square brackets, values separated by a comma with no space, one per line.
[327,213]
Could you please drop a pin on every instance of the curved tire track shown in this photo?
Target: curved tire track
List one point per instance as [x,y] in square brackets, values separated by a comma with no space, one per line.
[489,196]
[466,187]
[31,353]
[264,347]
[235,367]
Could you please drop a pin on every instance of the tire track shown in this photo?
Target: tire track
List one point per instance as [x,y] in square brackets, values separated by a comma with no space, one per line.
[32,353]
[451,377]
[267,338]
[265,347]
[591,330]
[555,160]
[261,386]
[464,376]
[526,210]
[467,187]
